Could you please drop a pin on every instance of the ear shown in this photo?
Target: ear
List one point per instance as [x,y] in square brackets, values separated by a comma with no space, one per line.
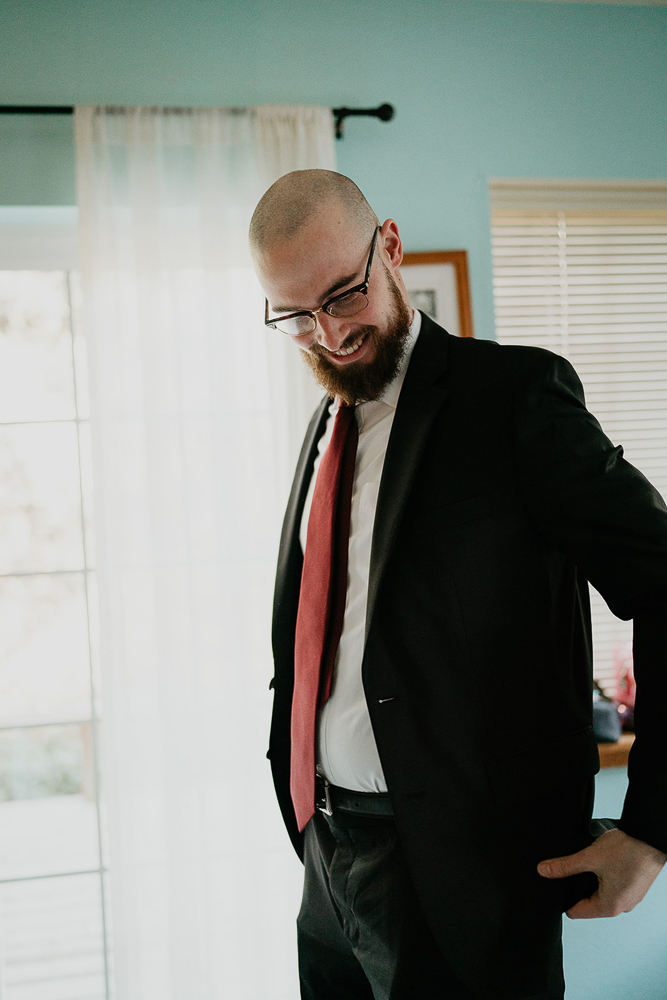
[389,244]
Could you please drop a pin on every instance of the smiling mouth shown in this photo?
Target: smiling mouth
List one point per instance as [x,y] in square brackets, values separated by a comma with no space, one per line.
[344,351]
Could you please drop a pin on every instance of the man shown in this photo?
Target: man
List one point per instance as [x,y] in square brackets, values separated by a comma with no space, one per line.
[432,632]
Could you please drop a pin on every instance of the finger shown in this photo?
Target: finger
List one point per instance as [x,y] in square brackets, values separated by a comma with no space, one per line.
[598,905]
[571,864]
[587,909]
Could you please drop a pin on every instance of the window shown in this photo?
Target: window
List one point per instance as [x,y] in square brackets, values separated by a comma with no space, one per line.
[581,269]
[53,935]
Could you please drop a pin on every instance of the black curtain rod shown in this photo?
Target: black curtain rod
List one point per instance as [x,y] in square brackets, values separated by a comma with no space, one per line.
[36,109]
[385,112]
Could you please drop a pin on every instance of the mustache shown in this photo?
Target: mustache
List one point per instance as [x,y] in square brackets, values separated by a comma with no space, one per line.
[319,351]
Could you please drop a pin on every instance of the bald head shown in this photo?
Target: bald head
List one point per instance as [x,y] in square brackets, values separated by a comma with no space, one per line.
[297,198]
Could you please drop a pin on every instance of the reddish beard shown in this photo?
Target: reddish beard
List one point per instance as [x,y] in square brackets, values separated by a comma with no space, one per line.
[361,381]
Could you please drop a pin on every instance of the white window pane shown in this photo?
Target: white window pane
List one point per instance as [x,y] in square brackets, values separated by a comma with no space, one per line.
[46,836]
[39,762]
[40,501]
[44,653]
[48,818]
[36,378]
[52,939]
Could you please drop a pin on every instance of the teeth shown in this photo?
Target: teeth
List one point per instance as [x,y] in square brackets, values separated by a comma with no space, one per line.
[350,350]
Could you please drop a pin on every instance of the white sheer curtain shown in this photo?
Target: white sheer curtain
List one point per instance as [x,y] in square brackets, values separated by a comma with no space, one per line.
[196,416]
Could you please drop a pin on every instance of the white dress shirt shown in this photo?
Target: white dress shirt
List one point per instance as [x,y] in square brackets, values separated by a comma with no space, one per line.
[347,753]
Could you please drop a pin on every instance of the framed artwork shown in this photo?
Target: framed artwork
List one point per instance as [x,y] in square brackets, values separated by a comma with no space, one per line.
[437,283]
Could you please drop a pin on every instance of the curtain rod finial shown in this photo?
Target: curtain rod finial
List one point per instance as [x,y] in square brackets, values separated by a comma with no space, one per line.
[385,112]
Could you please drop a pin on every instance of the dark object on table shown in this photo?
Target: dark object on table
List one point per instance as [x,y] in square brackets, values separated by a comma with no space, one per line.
[606,719]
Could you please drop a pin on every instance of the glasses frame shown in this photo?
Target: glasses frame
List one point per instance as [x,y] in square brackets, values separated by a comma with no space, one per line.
[326,306]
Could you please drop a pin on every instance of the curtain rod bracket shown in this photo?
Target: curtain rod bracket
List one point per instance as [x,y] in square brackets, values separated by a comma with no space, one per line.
[385,112]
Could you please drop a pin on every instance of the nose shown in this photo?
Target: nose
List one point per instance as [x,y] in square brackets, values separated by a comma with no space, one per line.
[330,332]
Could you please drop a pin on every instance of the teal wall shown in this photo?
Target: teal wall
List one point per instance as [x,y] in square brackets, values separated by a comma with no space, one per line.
[482,88]
[624,958]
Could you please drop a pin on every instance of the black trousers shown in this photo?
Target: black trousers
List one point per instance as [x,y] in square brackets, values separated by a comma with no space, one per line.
[361,931]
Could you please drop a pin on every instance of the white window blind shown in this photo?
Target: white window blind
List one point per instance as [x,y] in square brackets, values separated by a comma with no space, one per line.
[581,269]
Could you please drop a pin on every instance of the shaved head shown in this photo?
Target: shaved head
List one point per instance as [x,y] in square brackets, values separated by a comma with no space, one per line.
[297,198]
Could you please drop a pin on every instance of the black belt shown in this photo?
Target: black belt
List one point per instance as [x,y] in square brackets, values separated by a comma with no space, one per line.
[331,799]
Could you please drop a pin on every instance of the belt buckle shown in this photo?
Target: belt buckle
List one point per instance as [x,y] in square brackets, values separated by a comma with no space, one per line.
[326,808]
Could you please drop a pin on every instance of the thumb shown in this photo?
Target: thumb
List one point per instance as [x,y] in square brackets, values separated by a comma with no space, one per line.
[571,864]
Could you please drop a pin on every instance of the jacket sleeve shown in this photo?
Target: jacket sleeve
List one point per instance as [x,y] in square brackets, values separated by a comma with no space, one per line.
[613,523]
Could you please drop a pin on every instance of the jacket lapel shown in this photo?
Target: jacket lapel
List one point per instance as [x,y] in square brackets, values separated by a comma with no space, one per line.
[423,392]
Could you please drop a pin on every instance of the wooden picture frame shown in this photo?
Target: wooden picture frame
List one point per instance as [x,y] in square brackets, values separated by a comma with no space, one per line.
[438,284]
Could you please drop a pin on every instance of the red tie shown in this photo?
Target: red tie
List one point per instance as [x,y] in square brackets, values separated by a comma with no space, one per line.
[321,603]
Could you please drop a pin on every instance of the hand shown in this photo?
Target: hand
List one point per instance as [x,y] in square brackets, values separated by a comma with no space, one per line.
[625,867]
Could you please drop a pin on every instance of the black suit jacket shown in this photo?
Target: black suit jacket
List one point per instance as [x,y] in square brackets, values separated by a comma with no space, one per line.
[500,499]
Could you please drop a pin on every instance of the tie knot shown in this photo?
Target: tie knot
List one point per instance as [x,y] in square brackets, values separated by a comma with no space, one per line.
[345,412]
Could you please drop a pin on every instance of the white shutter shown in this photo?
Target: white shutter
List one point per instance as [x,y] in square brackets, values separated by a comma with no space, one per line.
[581,276]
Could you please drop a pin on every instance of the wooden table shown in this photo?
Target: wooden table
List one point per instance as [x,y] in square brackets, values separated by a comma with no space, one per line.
[616,754]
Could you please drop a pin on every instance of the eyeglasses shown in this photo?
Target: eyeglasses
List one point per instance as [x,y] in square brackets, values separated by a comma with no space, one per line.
[348,303]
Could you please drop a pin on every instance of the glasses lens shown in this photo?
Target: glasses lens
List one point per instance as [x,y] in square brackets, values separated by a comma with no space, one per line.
[295,326]
[348,305]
